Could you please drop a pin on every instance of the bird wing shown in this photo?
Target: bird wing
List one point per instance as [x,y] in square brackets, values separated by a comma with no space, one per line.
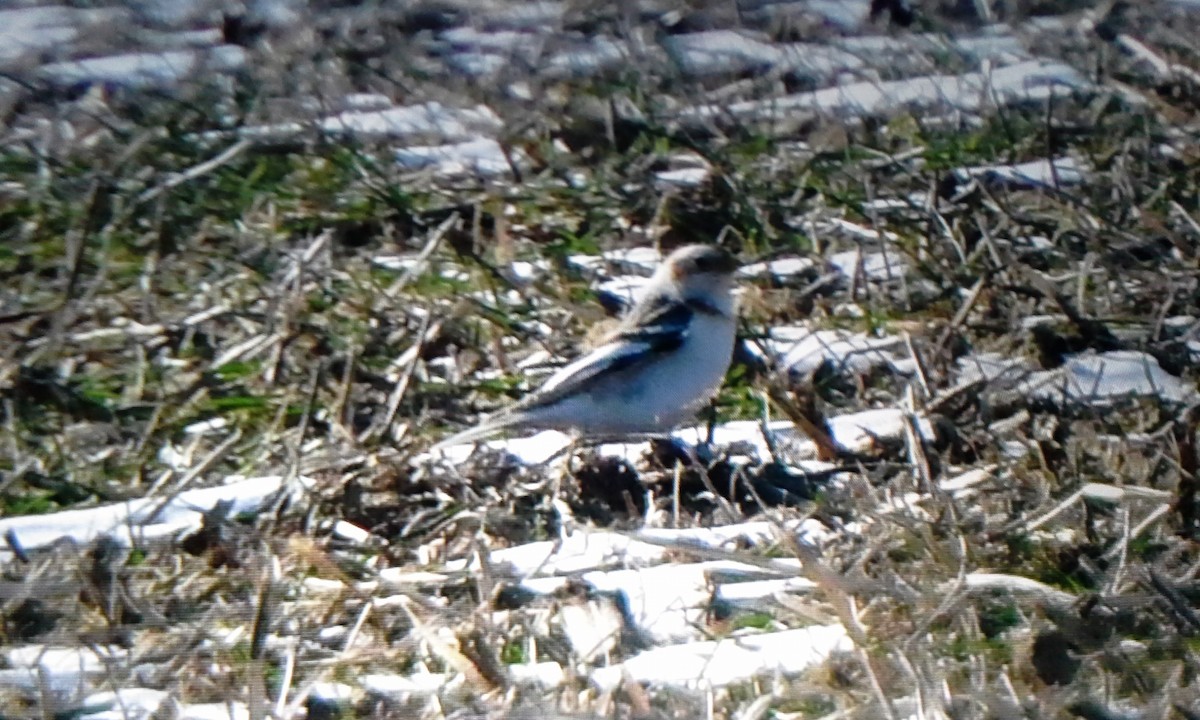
[662,328]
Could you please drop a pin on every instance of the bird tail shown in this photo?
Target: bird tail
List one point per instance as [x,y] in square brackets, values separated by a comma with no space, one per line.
[479,432]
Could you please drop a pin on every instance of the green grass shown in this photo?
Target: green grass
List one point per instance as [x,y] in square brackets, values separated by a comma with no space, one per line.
[226,237]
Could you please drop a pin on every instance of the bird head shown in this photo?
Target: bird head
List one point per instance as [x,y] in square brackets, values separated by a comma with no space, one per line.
[702,272]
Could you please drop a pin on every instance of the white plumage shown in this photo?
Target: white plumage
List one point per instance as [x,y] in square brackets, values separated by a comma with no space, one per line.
[665,360]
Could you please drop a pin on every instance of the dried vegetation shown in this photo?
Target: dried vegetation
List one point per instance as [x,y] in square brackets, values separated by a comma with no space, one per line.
[177,307]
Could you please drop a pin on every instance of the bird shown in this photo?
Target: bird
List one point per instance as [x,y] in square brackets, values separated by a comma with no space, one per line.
[665,359]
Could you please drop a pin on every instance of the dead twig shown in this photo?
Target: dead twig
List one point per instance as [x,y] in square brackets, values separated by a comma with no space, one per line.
[174,180]
[809,421]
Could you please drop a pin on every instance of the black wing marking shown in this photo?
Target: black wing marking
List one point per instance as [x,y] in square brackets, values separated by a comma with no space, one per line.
[662,329]
[664,323]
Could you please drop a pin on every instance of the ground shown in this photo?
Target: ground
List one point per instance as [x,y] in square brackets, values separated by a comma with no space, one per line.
[248,284]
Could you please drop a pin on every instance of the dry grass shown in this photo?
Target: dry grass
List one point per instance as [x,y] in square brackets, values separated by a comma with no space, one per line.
[152,281]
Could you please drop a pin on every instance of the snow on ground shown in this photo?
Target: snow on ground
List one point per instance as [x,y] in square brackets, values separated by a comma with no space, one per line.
[656,584]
